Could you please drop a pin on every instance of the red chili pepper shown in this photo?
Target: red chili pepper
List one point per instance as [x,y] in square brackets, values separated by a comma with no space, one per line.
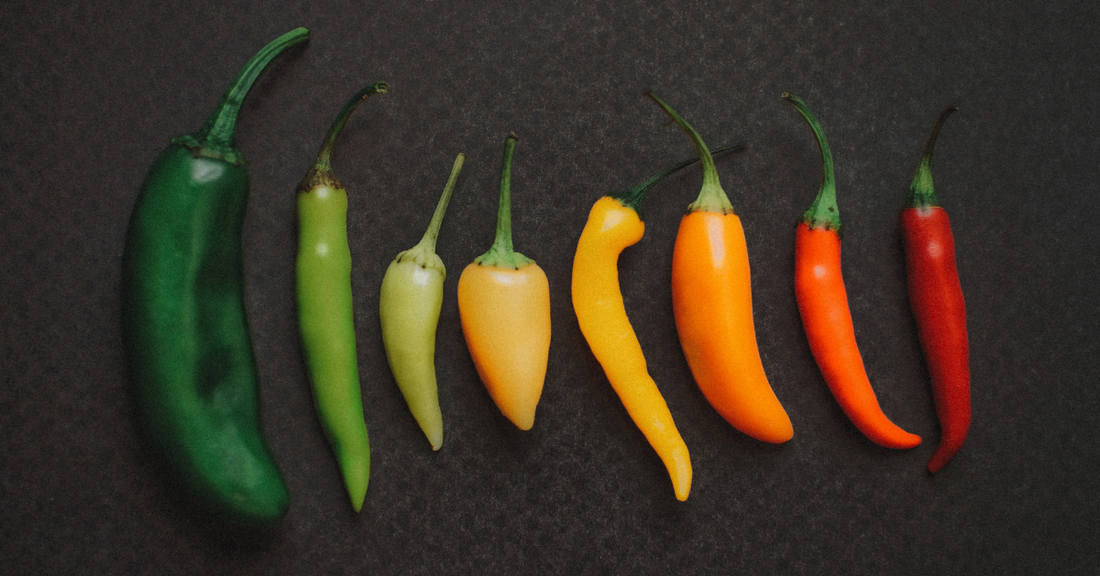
[823,305]
[936,298]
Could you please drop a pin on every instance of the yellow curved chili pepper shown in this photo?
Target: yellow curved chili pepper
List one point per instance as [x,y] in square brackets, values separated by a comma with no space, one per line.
[504,305]
[613,224]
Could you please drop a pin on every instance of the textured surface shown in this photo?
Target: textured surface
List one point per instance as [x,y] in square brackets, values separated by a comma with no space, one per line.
[91,95]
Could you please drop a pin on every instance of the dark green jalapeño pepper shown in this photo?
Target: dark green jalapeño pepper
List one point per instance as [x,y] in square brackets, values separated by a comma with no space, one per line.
[185,328]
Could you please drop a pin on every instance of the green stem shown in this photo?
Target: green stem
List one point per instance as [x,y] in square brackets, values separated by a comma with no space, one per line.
[632,198]
[921,193]
[217,137]
[432,233]
[321,172]
[823,213]
[324,157]
[711,197]
[501,254]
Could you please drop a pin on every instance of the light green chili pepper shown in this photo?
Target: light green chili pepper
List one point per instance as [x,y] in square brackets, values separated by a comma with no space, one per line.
[412,295]
[325,310]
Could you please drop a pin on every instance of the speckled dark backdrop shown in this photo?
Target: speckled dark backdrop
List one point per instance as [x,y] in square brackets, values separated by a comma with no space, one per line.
[88,96]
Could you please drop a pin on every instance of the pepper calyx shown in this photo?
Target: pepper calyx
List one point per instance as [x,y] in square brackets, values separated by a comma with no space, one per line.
[201,149]
[712,198]
[423,257]
[317,178]
[501,257]
[821,218]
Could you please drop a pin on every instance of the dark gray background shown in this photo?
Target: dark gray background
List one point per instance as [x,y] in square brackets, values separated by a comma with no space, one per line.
[89,96]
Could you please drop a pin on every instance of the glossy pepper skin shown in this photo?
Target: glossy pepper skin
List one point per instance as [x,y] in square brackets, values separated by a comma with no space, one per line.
[936,298]
[185,327]
[408,308]
[823,305]
[504,305]
[615,223]
[712,305]
[325,320]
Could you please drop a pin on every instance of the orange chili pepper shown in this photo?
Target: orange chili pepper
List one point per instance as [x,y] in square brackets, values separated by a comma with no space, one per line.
[504,305]
[823,305]
[712,304]
[614,224]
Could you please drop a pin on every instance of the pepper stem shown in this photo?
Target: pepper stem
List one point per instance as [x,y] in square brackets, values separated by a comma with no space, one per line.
[324,157]
[711,197]
[823,213]
[632,198]
[921,193]
[218,137]
[321,172]
[432,233]
[501,254]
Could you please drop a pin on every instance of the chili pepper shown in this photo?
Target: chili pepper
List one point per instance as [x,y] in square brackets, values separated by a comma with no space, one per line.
[409,306]
[712,306]
[936,298]
[823,304]
[185,328]
[504,306]
[325,308]
[615,223]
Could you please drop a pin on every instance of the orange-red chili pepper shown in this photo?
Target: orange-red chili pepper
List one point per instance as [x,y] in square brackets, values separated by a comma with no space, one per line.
[712,305]
[823,305]
[936,298]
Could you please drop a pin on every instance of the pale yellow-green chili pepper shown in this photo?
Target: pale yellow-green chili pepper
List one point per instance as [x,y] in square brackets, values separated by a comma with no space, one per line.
[325,309]
[409,305]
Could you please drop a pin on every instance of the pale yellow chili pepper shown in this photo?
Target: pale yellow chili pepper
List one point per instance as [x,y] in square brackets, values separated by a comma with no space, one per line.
[408,308]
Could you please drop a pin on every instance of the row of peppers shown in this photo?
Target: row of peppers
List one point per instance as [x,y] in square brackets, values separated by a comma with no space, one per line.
[190,355]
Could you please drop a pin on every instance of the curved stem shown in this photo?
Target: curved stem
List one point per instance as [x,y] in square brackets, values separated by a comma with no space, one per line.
[218,135]
[324,156]
[432,233]
[823,213]
[632,198]
[711,197]
[321,172]
[501,253]
[921,194]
